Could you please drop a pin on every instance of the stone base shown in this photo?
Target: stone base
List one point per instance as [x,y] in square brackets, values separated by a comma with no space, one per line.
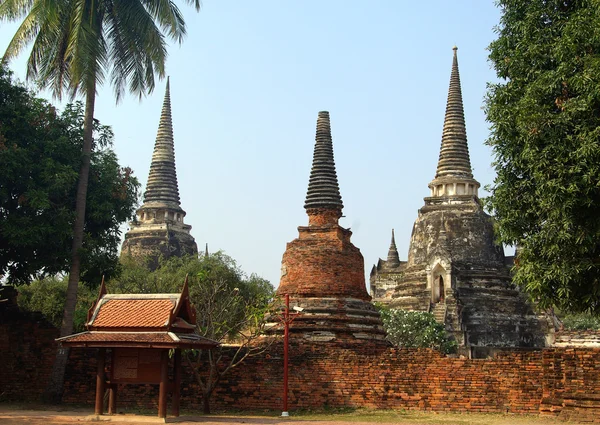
[152,244]
[336,320]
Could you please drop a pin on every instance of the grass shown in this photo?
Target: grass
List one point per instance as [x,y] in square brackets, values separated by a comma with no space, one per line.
[333,415]
[401,416]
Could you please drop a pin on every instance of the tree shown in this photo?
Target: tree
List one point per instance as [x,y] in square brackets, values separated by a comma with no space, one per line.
[39,160]
[230,308]
[545,134]
[76,44]
[415,329]
[48,295]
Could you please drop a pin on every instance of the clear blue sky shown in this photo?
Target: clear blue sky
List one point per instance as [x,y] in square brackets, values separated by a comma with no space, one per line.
[246,86]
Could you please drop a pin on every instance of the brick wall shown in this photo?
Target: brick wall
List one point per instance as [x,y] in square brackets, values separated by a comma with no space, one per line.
[563,382]
[560,381]
[27,351]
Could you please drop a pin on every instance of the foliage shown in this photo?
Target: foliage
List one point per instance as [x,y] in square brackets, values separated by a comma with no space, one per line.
[48,296]
[230,308]
[415,329]
[39,160]
[75,45]
[581,322]
[545,134]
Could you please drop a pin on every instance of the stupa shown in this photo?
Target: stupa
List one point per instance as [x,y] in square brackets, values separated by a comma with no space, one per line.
[322,271]
[159,230]
[456,269]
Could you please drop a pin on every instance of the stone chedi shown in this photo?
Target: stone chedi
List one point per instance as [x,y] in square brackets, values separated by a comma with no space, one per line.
[455,269]
[321,270]
[159,229]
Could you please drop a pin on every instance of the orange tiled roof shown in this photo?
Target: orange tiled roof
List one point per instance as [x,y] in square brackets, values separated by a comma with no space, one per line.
[133,339]
[133,313]
[148,337]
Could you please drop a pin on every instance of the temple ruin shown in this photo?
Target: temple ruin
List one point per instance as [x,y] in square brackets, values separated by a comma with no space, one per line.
[455,268]
[159,230]
[321,270]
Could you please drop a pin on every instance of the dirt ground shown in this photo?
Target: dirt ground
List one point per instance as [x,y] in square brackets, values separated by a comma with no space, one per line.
[12,416]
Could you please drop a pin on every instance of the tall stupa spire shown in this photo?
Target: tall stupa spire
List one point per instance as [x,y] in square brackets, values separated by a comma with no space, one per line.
[323,189]
[454,153]
[393,259]
[162,185]
[159,230]
[454,175]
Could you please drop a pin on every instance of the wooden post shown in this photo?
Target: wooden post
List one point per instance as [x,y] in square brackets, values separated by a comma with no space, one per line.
[112,399]
[99,408]
[286,342]
[176,383]
[162,392]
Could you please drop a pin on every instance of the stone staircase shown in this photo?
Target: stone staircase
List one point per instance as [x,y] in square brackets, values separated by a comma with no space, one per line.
[439,312]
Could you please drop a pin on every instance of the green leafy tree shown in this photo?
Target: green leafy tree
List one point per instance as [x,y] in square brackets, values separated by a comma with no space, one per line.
[48,295]
[39,160]
[415,329]
[230,308]
[76,44]
[545,134]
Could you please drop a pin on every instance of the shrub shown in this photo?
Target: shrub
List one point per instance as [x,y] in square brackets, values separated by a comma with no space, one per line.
[581,322]
[415,329]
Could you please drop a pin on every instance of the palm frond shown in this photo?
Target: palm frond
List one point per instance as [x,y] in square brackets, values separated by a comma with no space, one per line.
[76,43]
[11,10]
[25,34]
[138,48]
[168,16]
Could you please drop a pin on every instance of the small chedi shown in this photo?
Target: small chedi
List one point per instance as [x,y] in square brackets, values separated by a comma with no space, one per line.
[322,271]
[159,229]
[455,269]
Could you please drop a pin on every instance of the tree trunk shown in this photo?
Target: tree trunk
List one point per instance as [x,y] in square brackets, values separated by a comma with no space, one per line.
[55,388]
[205,402]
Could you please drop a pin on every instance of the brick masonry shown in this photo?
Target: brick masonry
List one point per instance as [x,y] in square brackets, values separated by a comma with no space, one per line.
[558,381]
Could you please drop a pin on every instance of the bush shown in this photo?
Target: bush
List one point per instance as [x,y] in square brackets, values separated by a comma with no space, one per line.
[581,322]
[48,296]
[415,329]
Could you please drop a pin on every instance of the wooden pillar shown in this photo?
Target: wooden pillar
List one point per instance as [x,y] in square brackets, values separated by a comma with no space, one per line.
[112,399]
[177,382]
[164,377]
[99,408]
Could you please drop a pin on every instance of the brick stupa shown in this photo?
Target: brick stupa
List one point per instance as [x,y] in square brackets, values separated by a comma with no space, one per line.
[159,229]
[321,270]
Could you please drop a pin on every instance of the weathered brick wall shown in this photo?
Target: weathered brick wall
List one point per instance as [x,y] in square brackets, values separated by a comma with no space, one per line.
[323,376]
[27,351]
[389,379]
[561,381]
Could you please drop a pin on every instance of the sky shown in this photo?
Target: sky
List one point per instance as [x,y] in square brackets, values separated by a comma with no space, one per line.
[247,84]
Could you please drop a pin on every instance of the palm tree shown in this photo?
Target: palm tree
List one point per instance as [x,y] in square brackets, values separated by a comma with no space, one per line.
[76,45]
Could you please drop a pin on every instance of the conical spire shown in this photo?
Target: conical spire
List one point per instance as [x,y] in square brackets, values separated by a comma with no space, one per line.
[393,259]
[323,188]
[162,181]
[454,153]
